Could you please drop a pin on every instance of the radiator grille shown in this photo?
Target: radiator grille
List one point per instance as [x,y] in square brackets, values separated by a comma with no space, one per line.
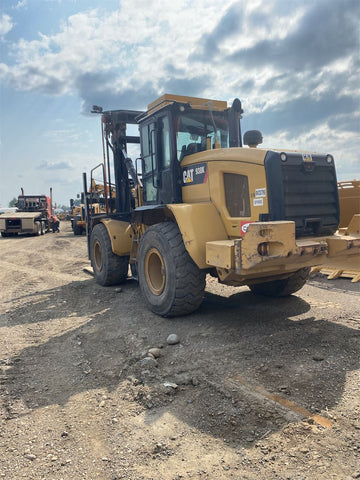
[307,197]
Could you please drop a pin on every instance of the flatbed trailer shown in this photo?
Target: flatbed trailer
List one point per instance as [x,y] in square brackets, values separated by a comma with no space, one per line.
[23,222]
[33,216]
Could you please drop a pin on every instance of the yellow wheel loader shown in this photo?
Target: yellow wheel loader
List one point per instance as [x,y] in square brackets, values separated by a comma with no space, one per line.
[201,200]
[96,194]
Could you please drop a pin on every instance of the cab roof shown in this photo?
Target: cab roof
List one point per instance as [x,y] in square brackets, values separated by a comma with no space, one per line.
[194,102]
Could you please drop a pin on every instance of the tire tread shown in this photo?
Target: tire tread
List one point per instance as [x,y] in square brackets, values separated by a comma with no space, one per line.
[116,268]
[189,279]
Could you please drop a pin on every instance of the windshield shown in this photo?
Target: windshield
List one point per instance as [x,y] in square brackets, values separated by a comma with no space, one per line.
[199,130]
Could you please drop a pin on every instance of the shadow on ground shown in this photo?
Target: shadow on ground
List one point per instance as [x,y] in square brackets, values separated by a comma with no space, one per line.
[267,342]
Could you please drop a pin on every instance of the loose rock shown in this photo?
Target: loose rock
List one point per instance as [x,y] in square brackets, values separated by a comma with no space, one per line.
[148,362]
[170,384]
[30,456]
[318,358]
[183,378]
[155,352]
[173,339]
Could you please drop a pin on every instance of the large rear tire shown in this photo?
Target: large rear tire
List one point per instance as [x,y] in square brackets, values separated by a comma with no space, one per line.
[284,287]
[109,268]
[170,281]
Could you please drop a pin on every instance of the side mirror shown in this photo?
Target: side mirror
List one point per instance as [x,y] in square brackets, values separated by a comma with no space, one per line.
[253,138]
[234,123]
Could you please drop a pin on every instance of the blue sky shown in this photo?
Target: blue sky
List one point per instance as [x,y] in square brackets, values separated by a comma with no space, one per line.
[293,63]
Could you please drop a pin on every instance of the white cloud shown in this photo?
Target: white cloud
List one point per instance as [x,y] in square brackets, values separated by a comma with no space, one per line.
[126,57]
[21,4]
[128,45]
[6,24]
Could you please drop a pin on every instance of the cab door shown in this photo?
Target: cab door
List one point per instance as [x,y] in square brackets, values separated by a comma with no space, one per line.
[161,170]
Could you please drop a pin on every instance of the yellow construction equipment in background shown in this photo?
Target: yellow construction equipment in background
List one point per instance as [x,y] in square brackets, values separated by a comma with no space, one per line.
[349,200]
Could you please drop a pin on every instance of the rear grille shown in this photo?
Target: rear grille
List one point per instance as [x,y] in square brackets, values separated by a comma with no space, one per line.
[13,223]
[307,197]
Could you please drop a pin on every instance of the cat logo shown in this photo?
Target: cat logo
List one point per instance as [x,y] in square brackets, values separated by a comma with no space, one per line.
[188,175]
[307,157]
[194,174]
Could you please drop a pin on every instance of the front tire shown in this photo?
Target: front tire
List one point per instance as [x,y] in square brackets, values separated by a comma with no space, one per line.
[284,287]
[109,268]
[169,280]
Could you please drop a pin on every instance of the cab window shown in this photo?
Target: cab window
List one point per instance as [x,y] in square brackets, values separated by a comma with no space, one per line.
[237,195]
[199,130]
[165,142]
[149,166]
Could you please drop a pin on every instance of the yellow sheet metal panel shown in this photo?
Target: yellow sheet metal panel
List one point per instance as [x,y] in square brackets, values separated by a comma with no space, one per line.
[120,234]
[198,223]
[256,180]
[220,253]
[354,226]
[349,199]
[196,193]
[234,161]
[235,154]
[344,245]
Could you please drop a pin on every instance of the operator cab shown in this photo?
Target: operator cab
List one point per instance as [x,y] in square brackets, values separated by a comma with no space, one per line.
[173,127]
[176,126]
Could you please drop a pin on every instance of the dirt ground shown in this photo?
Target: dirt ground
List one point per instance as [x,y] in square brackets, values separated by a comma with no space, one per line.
[257,388]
